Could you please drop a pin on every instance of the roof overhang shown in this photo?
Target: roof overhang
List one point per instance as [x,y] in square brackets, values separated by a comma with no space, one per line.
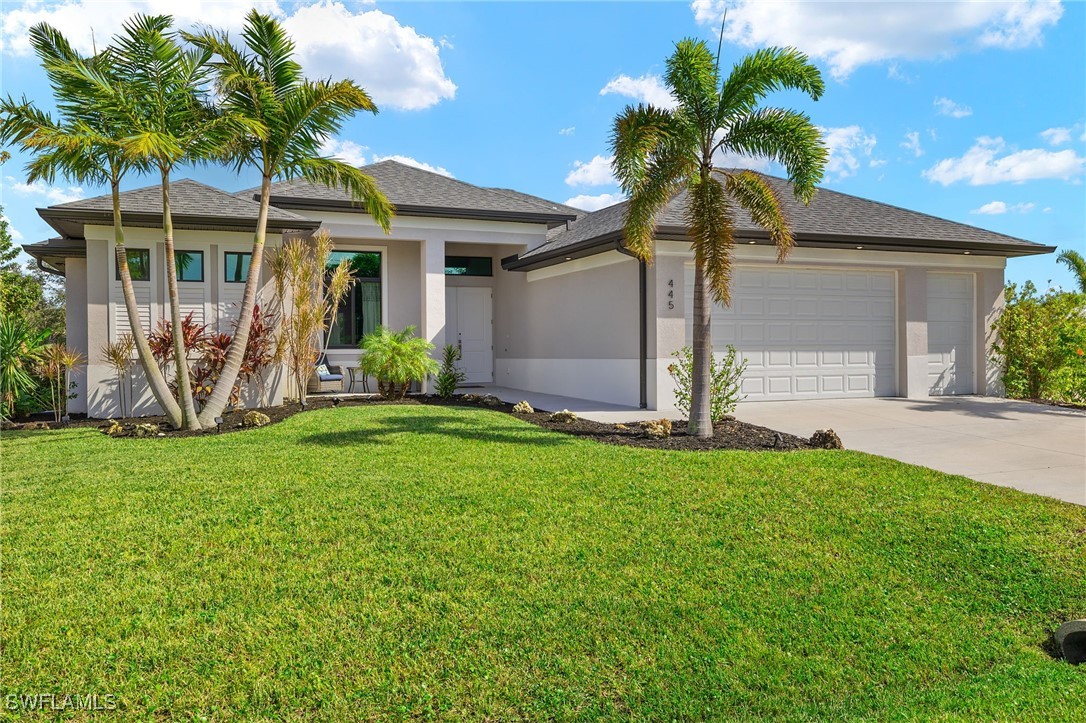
[615,241]
[52,253]
[70,222]
[305,204]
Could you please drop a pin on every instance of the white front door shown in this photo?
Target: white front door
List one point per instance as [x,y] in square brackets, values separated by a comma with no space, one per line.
[950,334]
[469,326]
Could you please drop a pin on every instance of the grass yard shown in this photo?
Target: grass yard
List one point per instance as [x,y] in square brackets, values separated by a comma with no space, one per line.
[377,562]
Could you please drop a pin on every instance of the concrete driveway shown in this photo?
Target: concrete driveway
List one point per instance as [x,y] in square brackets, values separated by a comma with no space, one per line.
[1031,447]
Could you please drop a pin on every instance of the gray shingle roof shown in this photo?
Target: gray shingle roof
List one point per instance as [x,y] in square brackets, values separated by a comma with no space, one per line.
[831,216]
[188,199]
[416,192]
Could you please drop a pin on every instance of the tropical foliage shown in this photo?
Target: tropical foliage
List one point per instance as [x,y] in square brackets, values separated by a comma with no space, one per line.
[725,382]
[118,355]
[21,348]
[55,365]
[660,153]
[308,294]
[450,376]
[1076,264]
[396,359]
[288,117]
[1041,344]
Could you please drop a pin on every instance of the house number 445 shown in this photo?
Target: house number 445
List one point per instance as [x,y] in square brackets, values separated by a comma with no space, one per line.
[671,293]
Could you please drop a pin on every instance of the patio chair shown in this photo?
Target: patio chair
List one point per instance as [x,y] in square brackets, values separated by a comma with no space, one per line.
[325,378]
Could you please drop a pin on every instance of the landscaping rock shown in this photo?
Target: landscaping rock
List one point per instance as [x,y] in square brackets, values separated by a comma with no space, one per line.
[115,429]
[621,428]
[36,425]
[565,417]
[522,407]
[490,400]
[6,425]
[826,439]
[657,428]
[255,419]
[145,430]
[470,398]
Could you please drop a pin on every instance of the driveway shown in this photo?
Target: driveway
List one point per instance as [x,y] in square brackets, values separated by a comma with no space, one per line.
[1031,447]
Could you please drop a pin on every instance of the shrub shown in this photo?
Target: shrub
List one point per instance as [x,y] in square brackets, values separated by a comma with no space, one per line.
[450,376]
[56,365]
[725,380]
[21,349]
[1041,344]
[395,359]
[118,356]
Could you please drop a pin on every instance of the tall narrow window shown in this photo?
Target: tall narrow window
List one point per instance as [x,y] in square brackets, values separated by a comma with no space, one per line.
[236,266]
[139,264]
[360,311]
[190,265]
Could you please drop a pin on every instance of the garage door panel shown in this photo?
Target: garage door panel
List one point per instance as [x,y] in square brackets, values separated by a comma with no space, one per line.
[950,334]
[810,332]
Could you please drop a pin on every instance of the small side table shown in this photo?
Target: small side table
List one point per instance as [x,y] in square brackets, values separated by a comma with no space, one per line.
[354,374]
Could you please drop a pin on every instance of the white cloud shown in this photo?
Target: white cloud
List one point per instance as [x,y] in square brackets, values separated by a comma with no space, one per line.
[595,203]
[1056,136]
[16,236]
[912,143]
[596,172]
[894,72]
[983,165]
[877,162]
[567,131]
[646,89]
[844,145]
[849,35]
[996,208]
[348,151]
[409,161]
[945,106]
[732,160]
[50,193]
[398,67]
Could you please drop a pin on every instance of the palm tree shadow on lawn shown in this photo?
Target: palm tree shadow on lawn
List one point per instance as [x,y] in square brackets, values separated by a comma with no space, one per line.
[446,425]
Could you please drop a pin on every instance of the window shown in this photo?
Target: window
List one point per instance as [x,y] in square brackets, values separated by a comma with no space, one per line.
[237,266]
[360,311]
[139,264]
[469,266]
[190,265]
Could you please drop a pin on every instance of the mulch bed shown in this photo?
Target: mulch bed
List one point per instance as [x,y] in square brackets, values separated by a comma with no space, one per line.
[731,434]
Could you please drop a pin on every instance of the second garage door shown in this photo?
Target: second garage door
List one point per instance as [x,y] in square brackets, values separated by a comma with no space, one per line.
[808,333]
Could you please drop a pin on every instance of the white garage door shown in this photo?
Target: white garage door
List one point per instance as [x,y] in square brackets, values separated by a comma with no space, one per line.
[950,334]
[808,333]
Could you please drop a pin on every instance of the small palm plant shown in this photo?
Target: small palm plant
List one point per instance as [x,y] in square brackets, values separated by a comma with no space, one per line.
[56,364]
[395,359]
[450,376]
[21,349]
[1076,264]
[118,356]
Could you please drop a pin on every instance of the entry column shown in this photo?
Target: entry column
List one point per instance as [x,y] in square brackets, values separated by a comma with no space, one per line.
[433,296]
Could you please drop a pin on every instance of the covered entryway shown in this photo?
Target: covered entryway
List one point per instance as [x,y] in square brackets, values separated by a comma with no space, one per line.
[950,334]
[469,326]
[808,332]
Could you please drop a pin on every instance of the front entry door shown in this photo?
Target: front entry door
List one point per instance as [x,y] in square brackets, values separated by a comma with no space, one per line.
[469,325]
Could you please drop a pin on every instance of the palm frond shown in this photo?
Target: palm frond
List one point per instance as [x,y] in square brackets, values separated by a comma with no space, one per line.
[691,76]
[763,72]
[712,233]
[785,136]
[334,173]
[753,194]
[1076,264]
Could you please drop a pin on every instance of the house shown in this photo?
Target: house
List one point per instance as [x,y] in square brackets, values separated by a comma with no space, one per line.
[874,300]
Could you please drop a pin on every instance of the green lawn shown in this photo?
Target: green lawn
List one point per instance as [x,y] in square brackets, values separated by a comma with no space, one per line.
[375,562]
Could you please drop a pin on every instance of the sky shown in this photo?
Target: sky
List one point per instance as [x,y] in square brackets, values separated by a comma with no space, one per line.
[971,111]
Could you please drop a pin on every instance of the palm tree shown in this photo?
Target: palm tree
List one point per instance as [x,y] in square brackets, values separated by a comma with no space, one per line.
[660,152]
[82,145]
[169,121]
[263,83]
[1076,264]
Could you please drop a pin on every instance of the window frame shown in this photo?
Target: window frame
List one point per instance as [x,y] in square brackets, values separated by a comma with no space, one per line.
[225,266]
[128,252]
[489,262]
[379,279]
[177,266]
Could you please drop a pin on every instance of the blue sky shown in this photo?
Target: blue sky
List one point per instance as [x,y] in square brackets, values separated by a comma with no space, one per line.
[969,111]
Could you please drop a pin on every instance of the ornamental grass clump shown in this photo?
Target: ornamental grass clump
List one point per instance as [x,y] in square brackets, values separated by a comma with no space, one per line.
[56,365]
[118,355]
[396,359]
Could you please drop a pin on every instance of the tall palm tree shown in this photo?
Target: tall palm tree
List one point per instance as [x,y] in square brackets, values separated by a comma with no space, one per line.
[660,152]
[169,120]
[1076,264]
[83,146]
[262,82]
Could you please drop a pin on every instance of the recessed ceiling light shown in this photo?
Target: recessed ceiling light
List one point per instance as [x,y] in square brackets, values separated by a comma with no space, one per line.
[569,258]
[859,247]
[752,242]
[966,253]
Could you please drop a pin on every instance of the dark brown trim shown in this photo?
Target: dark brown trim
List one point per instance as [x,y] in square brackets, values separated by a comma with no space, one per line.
[180,221]
[306,204]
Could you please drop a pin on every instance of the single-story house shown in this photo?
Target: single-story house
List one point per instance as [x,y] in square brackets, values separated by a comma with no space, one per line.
[874,300]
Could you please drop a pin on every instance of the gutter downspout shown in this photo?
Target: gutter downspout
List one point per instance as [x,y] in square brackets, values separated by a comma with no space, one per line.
[643,331]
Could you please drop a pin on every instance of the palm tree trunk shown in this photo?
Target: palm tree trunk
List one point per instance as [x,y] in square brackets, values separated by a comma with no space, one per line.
[701,423]
[159,388]
[184,388]
[235,355]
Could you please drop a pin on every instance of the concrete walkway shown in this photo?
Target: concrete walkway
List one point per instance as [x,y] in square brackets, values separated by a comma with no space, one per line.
[1031,447]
